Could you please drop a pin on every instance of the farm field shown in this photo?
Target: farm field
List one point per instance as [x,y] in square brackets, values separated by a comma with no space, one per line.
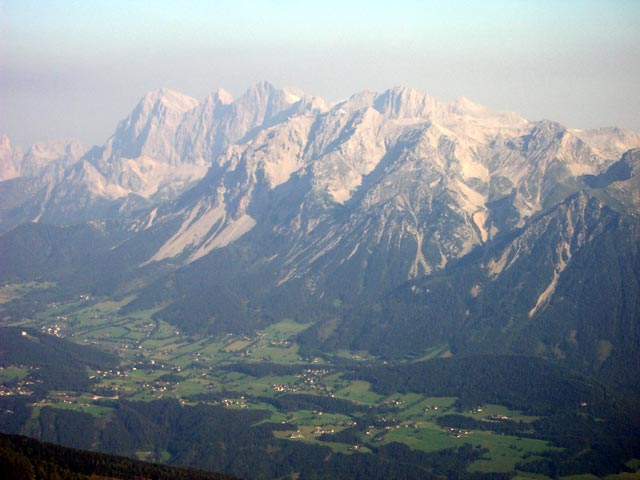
[314,400]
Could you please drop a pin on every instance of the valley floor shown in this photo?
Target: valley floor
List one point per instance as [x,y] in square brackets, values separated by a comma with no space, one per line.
[317,402]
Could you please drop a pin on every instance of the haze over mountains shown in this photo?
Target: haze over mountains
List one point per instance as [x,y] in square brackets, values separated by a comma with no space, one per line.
[392,220]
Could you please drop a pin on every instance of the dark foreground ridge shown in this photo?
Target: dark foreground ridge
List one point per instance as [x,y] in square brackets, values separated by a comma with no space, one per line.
[25,458]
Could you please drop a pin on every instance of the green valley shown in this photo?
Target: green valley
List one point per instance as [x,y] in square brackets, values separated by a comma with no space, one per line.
[347,404]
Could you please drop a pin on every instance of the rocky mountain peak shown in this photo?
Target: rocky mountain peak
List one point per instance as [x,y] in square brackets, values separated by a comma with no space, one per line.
[402,102]
[146,129]
[41,159]
[263,101]
[173,101]
[632,158]
[5,144]
[611,142]
[9,159]
[458,166]
[222,97]
[259,94]
[42,155]
[621,181]
[464,105]
[544,134]
[57,148]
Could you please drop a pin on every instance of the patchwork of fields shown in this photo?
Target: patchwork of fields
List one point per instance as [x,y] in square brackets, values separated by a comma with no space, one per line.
[265,372]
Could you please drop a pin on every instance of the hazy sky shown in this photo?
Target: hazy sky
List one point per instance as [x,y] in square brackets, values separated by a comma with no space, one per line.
[75,68]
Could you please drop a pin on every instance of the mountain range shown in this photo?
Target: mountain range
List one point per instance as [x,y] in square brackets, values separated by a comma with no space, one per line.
[392,221]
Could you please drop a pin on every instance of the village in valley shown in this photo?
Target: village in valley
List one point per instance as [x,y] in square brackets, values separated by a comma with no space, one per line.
[239,371]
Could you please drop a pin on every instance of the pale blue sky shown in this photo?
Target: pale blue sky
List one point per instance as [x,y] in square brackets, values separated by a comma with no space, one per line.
[75,68]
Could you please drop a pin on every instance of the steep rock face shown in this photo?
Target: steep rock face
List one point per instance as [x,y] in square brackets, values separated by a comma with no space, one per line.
[623,182]
[10,159]
[342,206]
[199,136]
[537,170]
[499,168]
[258,106]
[569,282]
[167,137]
[45,160]
[611,142]
[217,212]
[564,287]
[150,127]
[49,160]
[162,148]
[82,195]
[142,155]
[220,121]
[390,186]
[494,169]
[550,241]
[34,176]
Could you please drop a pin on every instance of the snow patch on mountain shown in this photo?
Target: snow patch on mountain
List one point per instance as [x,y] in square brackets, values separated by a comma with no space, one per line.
[419,265]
